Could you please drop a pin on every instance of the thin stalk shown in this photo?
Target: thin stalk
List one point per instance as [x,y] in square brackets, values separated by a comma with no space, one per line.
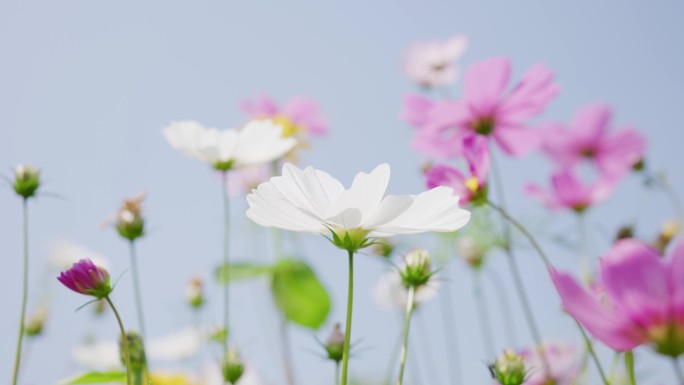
[449,324]
[226,234]
[393,357]
[483,315]
[124,340]
[502,296]
[337,373]
[592,352]
[136,288]
[285,349]
[585,263]
[678,371]
[629,363]
[426,352]
[348,325]
[407,324]
[671,194]
[24,295]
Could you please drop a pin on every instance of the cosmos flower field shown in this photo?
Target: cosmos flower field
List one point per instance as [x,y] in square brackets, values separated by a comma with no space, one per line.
[615,285]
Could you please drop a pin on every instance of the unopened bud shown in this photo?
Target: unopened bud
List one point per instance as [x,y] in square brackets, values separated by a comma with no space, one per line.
[509,369]
[36,321]
[624,232]
[129,221]
[232,367]
[417,268]
[136,349]
[194,293]
[470,251]
[383,248]
[26,180]
[334,345]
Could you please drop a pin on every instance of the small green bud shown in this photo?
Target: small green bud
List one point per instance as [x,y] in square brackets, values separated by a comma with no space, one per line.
[129,221]
[36,322]
[472,252]
[383,248]
[100,307]
[136,348]
[232,367]
[334,345]
[509,369]
[26,180]
[417,268]
[640,165]
[218,334]
[225,165]
[194,293]
[624,232]
[351,240]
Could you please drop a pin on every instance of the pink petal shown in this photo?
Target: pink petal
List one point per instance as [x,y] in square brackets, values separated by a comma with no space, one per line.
[476,152]
[531,96]
[416,109]
[591,123]
[304,112]
[484,84]
[516,140]
[542,195]
[620,151]
[559,145]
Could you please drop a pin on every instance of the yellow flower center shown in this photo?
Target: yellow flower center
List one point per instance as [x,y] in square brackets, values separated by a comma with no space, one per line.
[472,184]
[289,127]
[161,378]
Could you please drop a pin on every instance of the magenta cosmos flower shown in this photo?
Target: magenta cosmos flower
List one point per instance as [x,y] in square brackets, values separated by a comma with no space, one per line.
[488,109]
[565,364]
[589,137]
[568,191]
[433,63]
[641,300]
[298,116]
[472,187]
[85,277]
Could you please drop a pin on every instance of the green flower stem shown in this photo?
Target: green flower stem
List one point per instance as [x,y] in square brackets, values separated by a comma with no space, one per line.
[124,339]
[407,324]
[483,315]
[337,373]
[449,323]
[348,325]
[24,295]
[284,335]
[678,371]
[138,377]
[629,363]
[505,303]
[226,234]
[391,361]
[136,288]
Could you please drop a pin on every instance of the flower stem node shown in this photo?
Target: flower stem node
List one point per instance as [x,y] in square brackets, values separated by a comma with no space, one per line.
[136,349]
[417,269]
[509,369]
[86,278]
[26,180]
[334,345]
[351,240]
[232,367]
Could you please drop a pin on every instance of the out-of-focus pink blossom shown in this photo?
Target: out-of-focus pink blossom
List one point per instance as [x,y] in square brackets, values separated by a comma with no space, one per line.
[487,109]
[242,181]
[298,116]
[589,137]
[433,63]
[642,300]
[471,187]
[417,109]
[565,364]
[568,191]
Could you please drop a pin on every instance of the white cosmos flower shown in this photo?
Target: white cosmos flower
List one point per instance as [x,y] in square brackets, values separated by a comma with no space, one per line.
[310,200]
[260,141]
[390,293]
[64,254]
[101,355]
[176,346]
[433,63]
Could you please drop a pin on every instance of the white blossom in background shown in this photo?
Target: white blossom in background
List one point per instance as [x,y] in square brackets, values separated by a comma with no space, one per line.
[246,179]
[100,355]
[176,346]
[390,293]
[260,141]
[433,63]
[63,254]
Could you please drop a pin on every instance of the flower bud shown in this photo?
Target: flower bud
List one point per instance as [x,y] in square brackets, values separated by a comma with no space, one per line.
[417,268]
[624,232]
[350,240]
[334,345]
[36,322]
[383,248]
[232,367]
[194,293]
[26,180]
[470,251]
[86,278]
[509,369]
[136,349]
[668,231]
[129,220]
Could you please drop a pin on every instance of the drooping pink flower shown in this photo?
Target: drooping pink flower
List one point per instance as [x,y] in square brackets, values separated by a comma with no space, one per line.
[86,278]
[565,364]
[589,137]
[471,187]
[298,116]
[488,109]
[568,191]
[433,63]
[642,300]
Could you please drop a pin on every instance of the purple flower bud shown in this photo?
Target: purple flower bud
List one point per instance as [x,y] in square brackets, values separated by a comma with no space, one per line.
[85,277]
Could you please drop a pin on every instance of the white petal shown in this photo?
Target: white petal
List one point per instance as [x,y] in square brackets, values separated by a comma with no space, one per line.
[64,254]
[269,207]
[389,209]
[365,193]
[186,136]
[261,141]
[101,355]
[177,346]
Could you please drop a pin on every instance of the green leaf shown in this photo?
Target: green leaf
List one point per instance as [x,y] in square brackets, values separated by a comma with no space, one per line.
[299,294]
[241,271]
[97,378]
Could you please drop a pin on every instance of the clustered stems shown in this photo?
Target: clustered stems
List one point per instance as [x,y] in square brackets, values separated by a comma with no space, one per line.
[124,340]
[407,324]
[24,295]
[348,324]
[136,288]
[226,234]
[282,320]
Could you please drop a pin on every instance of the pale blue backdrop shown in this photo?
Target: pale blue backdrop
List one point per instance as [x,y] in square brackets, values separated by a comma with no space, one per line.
[85,87]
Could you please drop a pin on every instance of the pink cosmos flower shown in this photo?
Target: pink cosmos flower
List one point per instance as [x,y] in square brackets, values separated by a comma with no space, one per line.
[417,109]
[243,180]
[642,301]
[298,116]
[86,278]
[568,191]
[564,361]
[471,188]
[433,63]
[488,109]
[589,136]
